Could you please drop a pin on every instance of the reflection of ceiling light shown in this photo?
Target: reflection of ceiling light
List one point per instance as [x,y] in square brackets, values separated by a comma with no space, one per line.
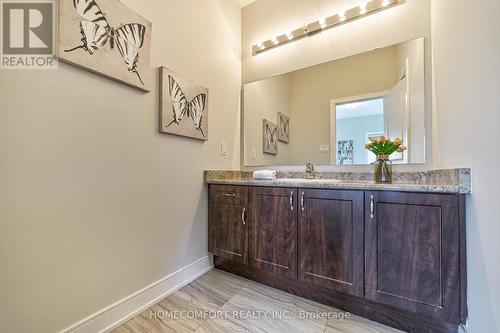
[351,105]
[362,8]
[363,108]
[342,16]
[322,23]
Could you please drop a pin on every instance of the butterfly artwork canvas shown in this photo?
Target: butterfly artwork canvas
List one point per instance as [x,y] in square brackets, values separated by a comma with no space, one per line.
[270,137]
[283,127]
[108,38]
[183,106]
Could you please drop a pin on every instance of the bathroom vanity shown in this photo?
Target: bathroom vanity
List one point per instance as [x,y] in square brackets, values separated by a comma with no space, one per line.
[391,253]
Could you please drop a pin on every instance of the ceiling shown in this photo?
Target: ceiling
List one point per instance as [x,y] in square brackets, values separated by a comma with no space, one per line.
[244,3]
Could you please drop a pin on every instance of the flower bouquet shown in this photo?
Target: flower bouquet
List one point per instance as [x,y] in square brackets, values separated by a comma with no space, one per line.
[383,147]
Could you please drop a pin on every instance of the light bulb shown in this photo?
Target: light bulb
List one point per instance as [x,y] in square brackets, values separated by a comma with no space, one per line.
[342,16]
[290,35]
[386,3]
[260,45]
[322,23]
[362,8]
[275,41]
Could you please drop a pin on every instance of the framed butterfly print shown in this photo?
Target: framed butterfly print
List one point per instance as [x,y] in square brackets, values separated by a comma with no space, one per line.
[283,127]
[183,106]
[108,38]
[270,137]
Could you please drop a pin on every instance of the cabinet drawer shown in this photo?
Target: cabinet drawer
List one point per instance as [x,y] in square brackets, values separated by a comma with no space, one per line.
[236,195]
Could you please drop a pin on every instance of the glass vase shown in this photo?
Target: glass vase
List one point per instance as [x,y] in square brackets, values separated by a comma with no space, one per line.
[383,169]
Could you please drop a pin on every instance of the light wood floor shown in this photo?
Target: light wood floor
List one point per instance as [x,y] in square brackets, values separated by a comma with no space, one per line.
[221,302]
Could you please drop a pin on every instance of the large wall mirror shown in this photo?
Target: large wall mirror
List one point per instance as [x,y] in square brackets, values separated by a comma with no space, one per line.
[325,114]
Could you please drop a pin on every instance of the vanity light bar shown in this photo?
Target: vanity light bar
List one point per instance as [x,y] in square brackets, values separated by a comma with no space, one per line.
[365,8]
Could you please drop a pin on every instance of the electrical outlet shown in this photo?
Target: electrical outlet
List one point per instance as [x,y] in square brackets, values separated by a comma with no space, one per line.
[254,154]
[324,148]
[223,149]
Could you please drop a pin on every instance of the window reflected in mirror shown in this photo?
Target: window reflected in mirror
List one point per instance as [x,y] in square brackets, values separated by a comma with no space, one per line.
[357,122]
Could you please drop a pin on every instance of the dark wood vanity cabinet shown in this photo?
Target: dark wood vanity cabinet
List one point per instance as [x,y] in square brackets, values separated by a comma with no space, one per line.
[228,228]
[413,252]
[393,257]
[273,230]
[331,248]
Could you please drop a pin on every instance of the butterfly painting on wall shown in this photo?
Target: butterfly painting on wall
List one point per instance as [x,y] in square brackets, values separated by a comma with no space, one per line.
[108,38]
[270,137]
[184,106]
[283,127]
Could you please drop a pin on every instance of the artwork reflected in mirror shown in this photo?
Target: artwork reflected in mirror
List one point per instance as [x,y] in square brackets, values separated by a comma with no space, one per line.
[270,137]
[345,152]
[283,127]
[333,109]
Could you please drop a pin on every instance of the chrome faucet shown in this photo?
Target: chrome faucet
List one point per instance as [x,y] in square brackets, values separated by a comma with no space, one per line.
[309,170]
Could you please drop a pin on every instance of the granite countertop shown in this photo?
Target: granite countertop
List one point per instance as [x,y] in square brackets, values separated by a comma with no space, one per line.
[455,181]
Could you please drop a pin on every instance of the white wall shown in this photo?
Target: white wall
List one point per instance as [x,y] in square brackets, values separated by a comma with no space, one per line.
[90,207]
[414,51]
[466,54]
[355,129]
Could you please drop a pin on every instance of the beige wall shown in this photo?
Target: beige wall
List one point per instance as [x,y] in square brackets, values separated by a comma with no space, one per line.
[313,88]
[466,54]
[408,21]
[263,100]
[90,207]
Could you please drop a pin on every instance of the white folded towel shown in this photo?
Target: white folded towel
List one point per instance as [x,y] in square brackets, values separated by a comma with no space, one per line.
[264,174]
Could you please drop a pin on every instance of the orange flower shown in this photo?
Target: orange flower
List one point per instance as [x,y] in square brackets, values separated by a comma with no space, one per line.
[397,142]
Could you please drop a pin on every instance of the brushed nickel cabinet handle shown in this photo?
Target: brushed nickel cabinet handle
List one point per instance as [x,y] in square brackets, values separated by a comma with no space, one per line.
[232,195]
[291,200]
[243,216]
[302,201]
[372,207]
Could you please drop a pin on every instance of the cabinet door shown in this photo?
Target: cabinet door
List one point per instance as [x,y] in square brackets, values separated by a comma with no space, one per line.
[228,228]
[331,239]
[412,252]
[273,230]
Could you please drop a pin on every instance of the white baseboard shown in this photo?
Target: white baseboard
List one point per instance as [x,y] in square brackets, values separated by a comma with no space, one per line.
[116,314]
